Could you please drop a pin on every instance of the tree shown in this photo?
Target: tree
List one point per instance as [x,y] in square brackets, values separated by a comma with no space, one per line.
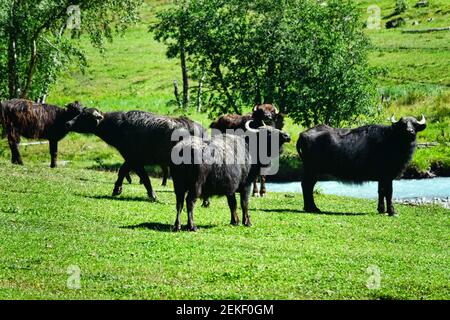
[39,38]
[174,25]
[309,57]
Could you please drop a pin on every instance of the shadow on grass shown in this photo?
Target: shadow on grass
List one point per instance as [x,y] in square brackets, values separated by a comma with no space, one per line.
[162,227]
[118,198]
[124,198]
[318,213]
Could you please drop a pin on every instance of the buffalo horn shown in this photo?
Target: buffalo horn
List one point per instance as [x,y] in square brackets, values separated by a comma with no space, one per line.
[393,119]
[247,127]
[423,120]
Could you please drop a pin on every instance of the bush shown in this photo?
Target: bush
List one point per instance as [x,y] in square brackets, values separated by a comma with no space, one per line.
[400,6]
[308,57]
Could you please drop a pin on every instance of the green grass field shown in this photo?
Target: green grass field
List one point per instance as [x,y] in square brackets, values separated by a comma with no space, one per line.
[124,247]
[54,219]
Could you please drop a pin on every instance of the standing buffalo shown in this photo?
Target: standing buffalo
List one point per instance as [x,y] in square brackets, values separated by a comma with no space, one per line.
[142,138]
[370,153]
[20,117]
[265,114]
[226,167]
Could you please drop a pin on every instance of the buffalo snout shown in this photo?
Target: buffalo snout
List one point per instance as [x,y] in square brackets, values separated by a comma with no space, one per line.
[68,125]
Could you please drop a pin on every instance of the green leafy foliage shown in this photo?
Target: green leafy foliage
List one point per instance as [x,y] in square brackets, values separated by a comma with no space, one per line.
[400,6]
[38,39]
[308,57]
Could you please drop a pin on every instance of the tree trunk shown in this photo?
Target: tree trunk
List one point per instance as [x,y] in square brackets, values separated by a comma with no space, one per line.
[270,86]
[185,75]
[13,80]
[30,71]
[199,92]
[176,93]
[231,104]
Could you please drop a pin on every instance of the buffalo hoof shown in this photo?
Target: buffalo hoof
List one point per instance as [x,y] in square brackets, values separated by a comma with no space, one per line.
[312,209]
[19,162]
[53,165]
[393,214]
[381,210]
[234,223]
[128,179]
[176,228]
[247,224]
[192,228]
[206,204]
[256,195]
[117,191]
[152,197]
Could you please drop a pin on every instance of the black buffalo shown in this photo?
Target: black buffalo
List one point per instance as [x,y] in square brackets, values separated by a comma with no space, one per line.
[142,138]
[20,117]
[228,167]
[369,153]
[265,114]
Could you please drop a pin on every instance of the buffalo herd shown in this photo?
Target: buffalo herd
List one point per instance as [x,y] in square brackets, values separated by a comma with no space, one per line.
[230,159]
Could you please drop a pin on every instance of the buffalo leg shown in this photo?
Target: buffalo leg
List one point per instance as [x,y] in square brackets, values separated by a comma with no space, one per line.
[180,202]
[165,170]
[128,177]
[308,196]
[13,142]
[244,205]
[53,153]
[190,203]
[255,187]
[206,203]
[123,171]
[388,194]
[146,181]
[381,196]
[232,203]
[262,192]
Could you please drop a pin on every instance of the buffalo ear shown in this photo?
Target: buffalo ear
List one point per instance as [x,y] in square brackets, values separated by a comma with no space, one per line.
[420,127]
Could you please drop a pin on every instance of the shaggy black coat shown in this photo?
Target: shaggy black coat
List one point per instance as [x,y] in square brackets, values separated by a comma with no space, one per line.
[370,153]
[214,175]
[20,117]
[142,138]
[262,114]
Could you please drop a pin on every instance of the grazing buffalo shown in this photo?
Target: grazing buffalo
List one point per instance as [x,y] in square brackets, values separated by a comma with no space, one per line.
[142,138]
[370,153]
[266,114]
[227,166]
[20,117]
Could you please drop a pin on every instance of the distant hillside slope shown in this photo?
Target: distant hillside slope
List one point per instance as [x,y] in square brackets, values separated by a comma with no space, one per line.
[134,71]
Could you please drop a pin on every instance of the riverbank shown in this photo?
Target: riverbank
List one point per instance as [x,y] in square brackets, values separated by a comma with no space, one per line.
[443,202]
[409,192]
[291,169]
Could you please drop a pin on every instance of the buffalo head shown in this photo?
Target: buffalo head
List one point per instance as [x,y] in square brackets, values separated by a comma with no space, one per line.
[408,126]
[86,122]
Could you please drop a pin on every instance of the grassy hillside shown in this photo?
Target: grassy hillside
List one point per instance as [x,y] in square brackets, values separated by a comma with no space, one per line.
[54,222]
[134,73]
